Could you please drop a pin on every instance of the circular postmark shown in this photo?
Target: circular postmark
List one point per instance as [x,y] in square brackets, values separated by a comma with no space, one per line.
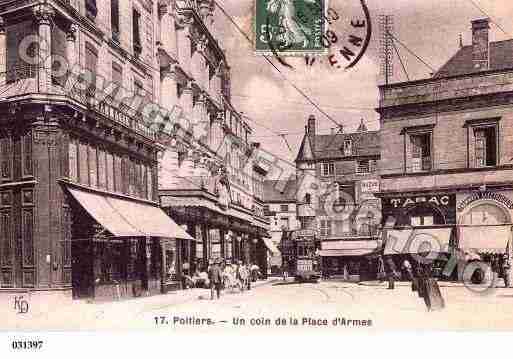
[341,32]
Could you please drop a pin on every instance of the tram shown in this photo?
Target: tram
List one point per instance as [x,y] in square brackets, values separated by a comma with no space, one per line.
[306,265]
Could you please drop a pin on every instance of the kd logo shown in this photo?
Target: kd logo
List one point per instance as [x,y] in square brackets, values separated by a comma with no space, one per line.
[21,305]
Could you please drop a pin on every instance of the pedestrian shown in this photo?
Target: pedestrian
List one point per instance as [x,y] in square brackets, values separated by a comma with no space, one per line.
[506,271]
[381,269]
[240,275]
[390,273]
[254,269]
[215,278]
[285,272]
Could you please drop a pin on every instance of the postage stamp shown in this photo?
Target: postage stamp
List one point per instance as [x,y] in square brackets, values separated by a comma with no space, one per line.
[290,27]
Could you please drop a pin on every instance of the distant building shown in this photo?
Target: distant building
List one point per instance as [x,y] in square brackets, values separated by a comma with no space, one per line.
[446,152]
[337,176]
[280,209]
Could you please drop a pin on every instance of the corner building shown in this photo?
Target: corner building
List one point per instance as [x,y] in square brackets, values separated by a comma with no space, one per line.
[446,155]
[79,211]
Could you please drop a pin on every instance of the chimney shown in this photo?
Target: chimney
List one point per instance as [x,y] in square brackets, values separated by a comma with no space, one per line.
[480,44]
[311,130]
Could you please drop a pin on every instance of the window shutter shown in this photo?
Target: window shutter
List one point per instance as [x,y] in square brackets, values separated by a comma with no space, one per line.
[480,148]
[58,48]
[16,68]
[91,63]
[147,33]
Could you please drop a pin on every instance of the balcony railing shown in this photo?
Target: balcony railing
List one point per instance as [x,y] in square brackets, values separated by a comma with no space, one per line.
[21,79]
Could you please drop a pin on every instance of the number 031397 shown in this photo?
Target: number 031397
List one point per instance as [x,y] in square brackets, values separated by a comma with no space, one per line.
[27,344]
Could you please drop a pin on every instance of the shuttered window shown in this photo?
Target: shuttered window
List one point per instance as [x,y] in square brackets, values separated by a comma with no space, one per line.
[6,157]
[117,78]
[91,64]
[91,9]
[59,55]
[18,69]
[114,19]
[136,29]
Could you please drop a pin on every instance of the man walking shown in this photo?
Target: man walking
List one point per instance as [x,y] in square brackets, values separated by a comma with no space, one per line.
[214,275]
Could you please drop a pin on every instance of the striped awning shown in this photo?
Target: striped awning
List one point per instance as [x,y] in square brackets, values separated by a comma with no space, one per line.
[491,239]
[348,248]
[126,218]
[418,240]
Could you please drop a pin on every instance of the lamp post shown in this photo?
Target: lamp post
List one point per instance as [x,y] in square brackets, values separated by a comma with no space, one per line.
[370,217]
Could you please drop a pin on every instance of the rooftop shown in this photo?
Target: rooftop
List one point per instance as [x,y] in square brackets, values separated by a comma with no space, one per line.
[280,190]
[365,143]
[501,57]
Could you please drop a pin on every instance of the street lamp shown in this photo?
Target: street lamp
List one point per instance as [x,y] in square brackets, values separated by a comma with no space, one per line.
[370,217]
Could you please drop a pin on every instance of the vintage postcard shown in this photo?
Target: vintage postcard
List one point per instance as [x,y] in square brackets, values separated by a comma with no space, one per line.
[233,166]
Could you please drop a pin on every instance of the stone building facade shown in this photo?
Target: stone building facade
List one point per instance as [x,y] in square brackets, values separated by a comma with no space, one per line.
[79,186]
[209,182]
[446,150]
[280,209]
[337,176]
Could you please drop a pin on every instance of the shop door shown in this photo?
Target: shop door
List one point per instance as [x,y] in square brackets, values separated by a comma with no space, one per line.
[82,268]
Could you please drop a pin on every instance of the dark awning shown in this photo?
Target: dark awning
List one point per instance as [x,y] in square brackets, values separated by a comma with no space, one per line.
[124,218]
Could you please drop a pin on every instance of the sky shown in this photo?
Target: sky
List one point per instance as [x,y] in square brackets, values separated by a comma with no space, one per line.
[431,29]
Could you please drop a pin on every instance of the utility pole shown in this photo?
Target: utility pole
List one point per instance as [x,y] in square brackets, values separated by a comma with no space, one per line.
[386,23]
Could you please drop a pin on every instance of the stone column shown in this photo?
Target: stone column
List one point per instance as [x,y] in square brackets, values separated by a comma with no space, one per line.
[201,121]
[187,167]
[216,138]
[168,167]
[183,40]
[200,168]
[71,50]
[168,89]
[3,53]
[44,19]
[167,29]
[216,91]
[186,102]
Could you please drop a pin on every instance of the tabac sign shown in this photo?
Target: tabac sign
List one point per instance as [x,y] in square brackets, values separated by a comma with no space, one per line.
[485,195]
[438,201]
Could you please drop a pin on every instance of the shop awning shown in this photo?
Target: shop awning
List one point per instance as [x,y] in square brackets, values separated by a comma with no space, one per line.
[270,246]
[418,240]
[348,248]
[124,218]
[493,239]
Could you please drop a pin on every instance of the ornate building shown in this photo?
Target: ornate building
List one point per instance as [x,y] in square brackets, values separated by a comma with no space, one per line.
[446,155]
[337,176]
[209,182]
[78,189]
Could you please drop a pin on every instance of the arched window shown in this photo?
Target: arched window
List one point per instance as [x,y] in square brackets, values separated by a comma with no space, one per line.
[308,198]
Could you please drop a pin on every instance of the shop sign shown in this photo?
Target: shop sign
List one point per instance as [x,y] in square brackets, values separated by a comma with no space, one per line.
[440,201]
[485,195]
[369,186]
[302,233]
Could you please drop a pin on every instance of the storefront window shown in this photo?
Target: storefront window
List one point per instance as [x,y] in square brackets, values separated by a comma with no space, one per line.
[171,272]
[216,243]
[108,263]
[132,259]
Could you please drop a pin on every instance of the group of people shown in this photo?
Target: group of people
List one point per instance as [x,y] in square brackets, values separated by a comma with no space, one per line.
[223,275]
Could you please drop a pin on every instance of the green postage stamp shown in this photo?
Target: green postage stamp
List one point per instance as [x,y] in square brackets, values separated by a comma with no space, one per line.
[290,27]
